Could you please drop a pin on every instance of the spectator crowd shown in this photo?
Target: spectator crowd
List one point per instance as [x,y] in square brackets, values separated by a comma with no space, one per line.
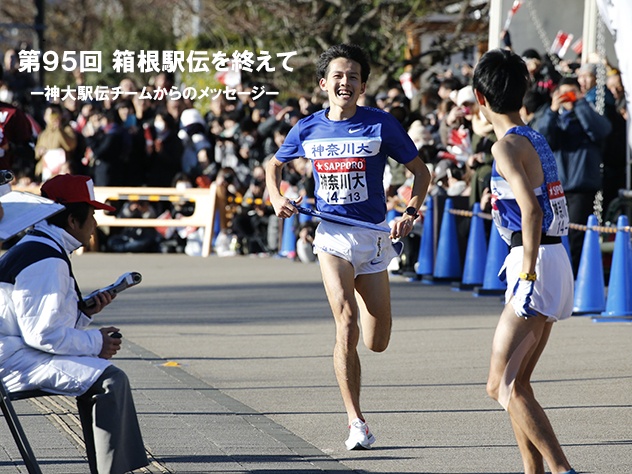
[133,141]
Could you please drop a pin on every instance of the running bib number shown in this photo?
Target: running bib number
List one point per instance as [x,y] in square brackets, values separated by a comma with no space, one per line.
[342,181]
[341,198]
[560,223]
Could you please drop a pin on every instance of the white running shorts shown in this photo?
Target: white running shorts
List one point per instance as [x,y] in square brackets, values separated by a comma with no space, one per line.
[554,288]
[369,251]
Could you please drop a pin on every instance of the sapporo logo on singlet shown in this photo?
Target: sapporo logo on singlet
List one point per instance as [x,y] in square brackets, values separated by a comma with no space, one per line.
[557,199]
[341,167]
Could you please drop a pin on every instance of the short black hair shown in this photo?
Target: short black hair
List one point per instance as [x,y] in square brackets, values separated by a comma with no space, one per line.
[452,83]
[531,54]
[283,128]
[347,51]
[503,78]
[167,117]
[79,210]
[534,99]
[112,116]
[568,81]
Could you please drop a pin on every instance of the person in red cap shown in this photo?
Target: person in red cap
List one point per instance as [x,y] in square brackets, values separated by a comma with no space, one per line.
[44,340]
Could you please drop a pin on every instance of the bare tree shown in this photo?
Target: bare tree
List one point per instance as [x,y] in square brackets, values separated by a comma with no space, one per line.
[311,26]
[305,26]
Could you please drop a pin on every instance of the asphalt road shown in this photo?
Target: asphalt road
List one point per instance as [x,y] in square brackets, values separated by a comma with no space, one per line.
[230,360]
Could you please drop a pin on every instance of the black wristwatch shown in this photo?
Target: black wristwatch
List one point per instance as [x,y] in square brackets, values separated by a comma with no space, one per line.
[411,211]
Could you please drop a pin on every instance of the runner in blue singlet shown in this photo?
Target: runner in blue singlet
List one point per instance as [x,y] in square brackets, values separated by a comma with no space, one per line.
[530,212]
[348,146]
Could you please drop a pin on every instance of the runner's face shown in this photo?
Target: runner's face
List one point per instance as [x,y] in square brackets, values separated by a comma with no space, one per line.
[343,83]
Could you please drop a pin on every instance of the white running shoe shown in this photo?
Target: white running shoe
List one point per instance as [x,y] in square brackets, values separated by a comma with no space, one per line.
[359,436]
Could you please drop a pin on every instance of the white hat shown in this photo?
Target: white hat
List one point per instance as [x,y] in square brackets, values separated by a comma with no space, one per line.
[453,94]
[465,95]
[190,116]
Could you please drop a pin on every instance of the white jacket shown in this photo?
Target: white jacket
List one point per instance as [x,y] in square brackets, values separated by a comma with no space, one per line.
[43,340]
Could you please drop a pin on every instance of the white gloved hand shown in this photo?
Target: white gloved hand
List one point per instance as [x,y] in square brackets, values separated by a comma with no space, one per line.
[521,300]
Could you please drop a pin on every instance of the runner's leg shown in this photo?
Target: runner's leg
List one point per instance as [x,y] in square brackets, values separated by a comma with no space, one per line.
[516,343]
[338,279]
[532,458]
[375,309]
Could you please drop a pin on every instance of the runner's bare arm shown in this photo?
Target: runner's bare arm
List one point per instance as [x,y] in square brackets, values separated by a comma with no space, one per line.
[421,182]
[516,163]
[283,207]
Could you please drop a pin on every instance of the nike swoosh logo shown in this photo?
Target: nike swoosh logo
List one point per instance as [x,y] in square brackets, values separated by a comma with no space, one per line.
[375,261]
[354,130]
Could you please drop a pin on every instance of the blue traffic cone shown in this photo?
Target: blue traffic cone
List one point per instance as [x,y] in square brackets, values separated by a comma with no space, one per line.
[476,253]
[448,261]
[425,259]
[589,285]
[497,251]
[619,301]
[288,239]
